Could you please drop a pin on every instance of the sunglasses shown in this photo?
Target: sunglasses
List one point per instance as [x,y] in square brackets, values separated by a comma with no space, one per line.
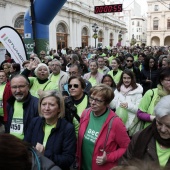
[130,61]
[73,85]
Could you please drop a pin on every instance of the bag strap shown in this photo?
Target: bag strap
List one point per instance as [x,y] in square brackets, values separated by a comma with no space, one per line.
[46,85]
[151,96]
[36,158]
[108,131]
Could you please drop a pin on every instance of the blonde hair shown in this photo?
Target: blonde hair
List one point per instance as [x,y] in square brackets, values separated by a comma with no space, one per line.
[59,100]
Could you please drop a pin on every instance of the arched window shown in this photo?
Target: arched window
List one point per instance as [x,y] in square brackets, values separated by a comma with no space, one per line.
[85,37]
[100,36]
[61,36]
[155,23]
[111,40]
[19,25]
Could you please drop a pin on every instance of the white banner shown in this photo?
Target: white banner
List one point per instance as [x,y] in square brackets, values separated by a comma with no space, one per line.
[13,42]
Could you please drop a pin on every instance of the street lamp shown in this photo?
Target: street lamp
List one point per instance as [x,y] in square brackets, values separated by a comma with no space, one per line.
[95,30]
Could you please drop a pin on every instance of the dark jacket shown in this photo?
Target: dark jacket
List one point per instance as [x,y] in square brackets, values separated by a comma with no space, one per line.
[150,75]
[61,144]
[30,107]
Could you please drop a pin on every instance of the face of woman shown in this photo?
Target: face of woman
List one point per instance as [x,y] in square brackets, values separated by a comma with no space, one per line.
[50,108]
[11,69]
[61,61]
[126,80]
[163,126]
[151,63]
[164,64]
[93,67]
[6,69]
[166,84]
[75,89]
[107,81]
[42,73]
[114,65]
[97,104]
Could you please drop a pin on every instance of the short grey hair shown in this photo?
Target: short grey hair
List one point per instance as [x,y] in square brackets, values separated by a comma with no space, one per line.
[55,60]
[162,108]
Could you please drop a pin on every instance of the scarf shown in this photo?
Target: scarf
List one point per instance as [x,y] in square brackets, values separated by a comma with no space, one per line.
[161,93]
[125,90]
[145,137]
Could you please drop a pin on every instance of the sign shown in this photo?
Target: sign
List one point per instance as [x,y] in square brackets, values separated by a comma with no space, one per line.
[108,8]
[13,42]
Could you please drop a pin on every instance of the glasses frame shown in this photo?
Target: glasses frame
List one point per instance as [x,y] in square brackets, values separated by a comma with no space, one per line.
[73,85]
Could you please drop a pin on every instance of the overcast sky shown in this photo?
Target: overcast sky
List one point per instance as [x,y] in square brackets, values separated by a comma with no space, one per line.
[142,3]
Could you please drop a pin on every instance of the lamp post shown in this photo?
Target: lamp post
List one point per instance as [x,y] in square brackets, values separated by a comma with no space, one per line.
[95,30]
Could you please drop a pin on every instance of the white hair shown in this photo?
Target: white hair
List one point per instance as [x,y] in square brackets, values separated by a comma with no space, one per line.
[162,108]
[39,65]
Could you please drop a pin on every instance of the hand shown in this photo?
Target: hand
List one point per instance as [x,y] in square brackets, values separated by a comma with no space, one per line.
[100,160]
[124,105]
[40,148]
[40,92]
[33,64]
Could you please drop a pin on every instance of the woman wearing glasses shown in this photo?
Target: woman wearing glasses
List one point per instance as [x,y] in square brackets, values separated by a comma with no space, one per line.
[102,137]
[77,101]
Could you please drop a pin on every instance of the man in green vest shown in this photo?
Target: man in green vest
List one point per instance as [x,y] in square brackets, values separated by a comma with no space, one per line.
[114,55]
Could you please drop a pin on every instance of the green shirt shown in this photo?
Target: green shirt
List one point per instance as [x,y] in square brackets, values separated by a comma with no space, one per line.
[80,107]
[47,132]
[116,77]
[90,137]
[55,79]
[17,125]
[2,87]
[36,86]
[93,81]
[163,154]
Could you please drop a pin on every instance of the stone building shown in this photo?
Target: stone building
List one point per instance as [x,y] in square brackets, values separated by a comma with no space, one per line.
[158,23]
[71,27]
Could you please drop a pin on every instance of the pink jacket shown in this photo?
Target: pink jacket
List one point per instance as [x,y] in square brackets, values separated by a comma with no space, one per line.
[116,145]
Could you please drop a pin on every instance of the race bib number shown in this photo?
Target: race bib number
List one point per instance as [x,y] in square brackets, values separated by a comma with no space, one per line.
[16,126]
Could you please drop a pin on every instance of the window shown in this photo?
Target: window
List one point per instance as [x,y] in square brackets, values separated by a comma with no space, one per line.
[169,6]
[132,22]
[156,8]
[168,24]
[138,23]
[155,24]
[139,37]
[137,29]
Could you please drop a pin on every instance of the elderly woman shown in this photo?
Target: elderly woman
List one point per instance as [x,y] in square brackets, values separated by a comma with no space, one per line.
[50,134]
[153,143]
[77,101]
[152,97]
[40,82]
[102,137]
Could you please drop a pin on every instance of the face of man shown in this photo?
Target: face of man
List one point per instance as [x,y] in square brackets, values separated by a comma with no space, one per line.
[73,71]
[55,65]
[7,57]
[19,88]
[163,126]
[100,62]
[3,77]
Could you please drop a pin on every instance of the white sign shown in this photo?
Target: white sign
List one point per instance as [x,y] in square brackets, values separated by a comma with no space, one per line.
[13,42]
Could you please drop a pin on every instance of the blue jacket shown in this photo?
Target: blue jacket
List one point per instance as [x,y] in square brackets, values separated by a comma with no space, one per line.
[30,107]
[61,144]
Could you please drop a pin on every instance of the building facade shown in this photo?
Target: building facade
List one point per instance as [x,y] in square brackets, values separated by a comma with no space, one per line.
[72,26]
[158,27]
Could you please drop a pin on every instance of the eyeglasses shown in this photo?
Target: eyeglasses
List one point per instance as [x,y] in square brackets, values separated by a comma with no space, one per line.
[72,73]
[19,87]
[73,85]
[130,61]
[91,99]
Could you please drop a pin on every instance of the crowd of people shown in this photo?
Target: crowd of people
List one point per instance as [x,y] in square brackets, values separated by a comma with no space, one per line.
[86,109]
